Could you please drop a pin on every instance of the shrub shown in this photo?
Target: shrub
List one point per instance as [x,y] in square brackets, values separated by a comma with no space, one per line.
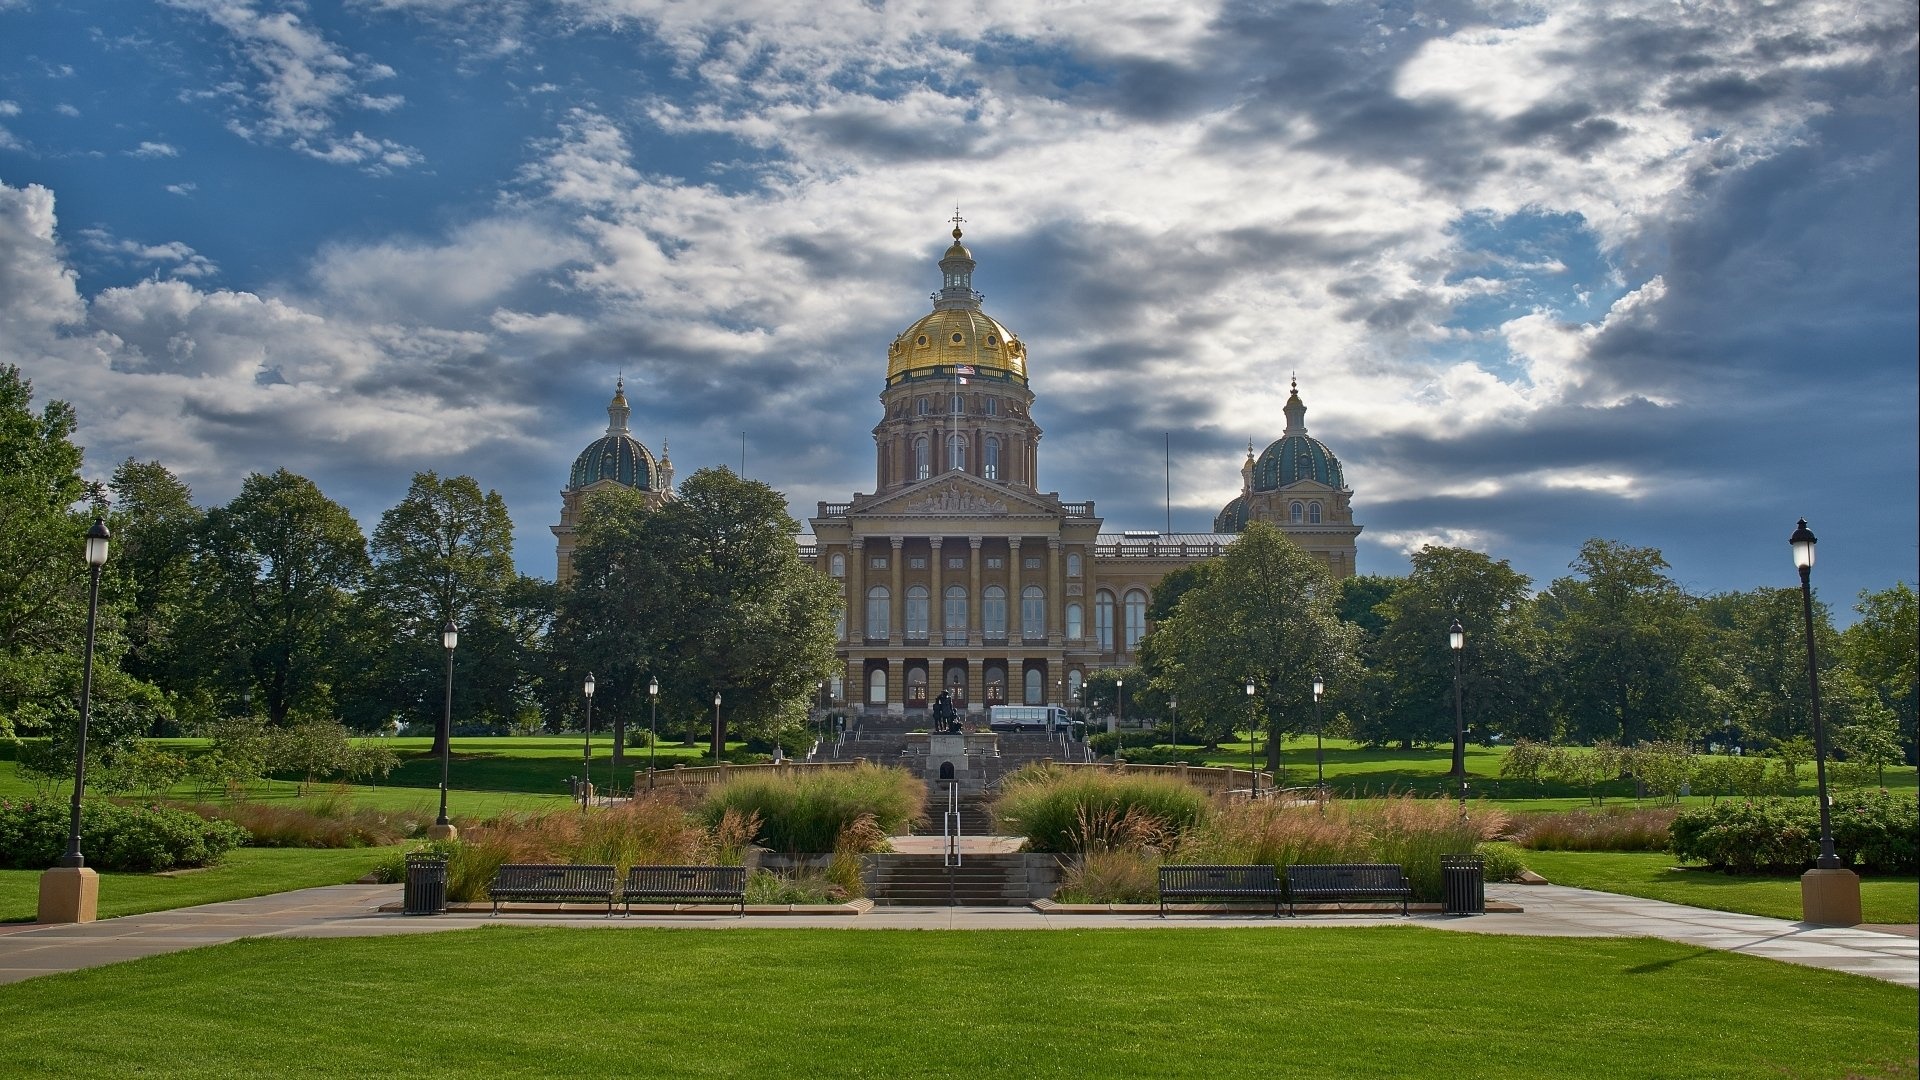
[1112,877]
[1776,835]
[806,811]
[767,887]
[1503,861]
[33,836]
[1054,807]
[1613,829]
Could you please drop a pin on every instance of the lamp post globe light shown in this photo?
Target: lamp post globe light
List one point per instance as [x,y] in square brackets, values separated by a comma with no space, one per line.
[1120,710]
[1457,641]
[442,829]
[1319,750]
[586,748]
[70,891]
[1253,725]
[719,736]
[653,725]
[1829,893]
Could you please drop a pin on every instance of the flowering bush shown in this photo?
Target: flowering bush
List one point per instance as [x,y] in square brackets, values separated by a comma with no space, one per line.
[33,836]
[1749,836]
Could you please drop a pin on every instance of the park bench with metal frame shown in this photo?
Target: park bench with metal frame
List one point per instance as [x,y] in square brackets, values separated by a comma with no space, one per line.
[552,881]
[1199,882]
[1335,882]
[678,883]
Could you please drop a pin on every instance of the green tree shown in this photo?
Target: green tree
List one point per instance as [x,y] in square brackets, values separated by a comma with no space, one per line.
[154,524]
[1498,668]
[1880,650]
[276,570]
[1756,652]
[445,552]
[1267,613]
[1623,648]
[706,593]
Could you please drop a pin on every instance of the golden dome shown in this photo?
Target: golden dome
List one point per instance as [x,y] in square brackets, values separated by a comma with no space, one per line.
[944,339]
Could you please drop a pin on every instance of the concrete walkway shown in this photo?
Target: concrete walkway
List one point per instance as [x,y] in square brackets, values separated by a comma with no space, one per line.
[1551,911]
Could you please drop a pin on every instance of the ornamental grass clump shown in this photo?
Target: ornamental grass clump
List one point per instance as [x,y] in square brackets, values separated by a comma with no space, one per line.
[1614,829]
[326,822]
[806,811]
[1276,833]
[1060,810]
[1415,832]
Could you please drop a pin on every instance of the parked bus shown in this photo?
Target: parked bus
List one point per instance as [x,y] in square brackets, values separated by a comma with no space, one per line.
[1027,718]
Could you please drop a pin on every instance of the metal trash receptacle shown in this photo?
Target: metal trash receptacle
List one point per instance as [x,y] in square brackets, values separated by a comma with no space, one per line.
[1465,883]
[426,884]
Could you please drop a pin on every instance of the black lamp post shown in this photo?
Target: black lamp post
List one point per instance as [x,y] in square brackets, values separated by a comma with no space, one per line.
[653,725]
[449,640]
[1319,748]
[1803,541]
[1120,715]
[1457,641]
[1173,702]
[586,748]
[97,542]
[719,736]
[1253,726]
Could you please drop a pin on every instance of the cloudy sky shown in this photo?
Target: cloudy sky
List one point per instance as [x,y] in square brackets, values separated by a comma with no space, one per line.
[1644,271]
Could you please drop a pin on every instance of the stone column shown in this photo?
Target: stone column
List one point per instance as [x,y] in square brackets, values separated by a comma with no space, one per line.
[1056,594]
[1015,628]
[976,621]
[857,595]
[898,600]
[936,603]
[1089,588]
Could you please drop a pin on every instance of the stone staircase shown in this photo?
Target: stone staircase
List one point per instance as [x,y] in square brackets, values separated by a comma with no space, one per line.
[979,880]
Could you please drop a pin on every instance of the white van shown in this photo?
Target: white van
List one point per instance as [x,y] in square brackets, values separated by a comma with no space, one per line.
[1026,717]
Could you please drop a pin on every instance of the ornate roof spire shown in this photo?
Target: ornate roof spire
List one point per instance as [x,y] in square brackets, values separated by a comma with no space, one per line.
[1296,411]
[617,411]
[956,274]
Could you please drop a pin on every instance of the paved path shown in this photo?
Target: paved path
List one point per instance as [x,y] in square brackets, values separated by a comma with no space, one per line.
[1551,911]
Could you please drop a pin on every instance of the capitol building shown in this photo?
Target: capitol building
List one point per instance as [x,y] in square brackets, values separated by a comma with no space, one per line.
[958,572]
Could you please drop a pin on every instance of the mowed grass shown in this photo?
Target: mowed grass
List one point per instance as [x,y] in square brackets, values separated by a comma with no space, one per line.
[1155,1003]
[244,872]
[460,803]
[1659,876]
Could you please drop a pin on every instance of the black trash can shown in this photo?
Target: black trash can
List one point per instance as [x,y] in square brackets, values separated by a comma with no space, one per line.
[1465,880]
[426,886]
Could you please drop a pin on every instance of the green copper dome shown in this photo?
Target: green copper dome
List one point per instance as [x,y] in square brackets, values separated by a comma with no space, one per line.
[1233,517]
[1294,458]
[617,455]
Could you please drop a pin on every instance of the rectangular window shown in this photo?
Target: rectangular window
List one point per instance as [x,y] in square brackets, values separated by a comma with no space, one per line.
[956,562]
[1033,564]
[879,562]
[917,562]
[994,562]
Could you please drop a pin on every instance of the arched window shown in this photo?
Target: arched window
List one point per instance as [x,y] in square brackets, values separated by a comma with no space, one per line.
[991,468]
[1033,612]
[922,468]
[877,686]
[1036,687]
[1073,564]
[1103,620]
[956,452]
[956,405]
[991,406]
[917,687]
[996,686]
[837,566]
[955,616]
[1074,622]
[993,611]
[1136,618]
[1313,513]
[917,611]
[879,612]
[1295,512]
[920,407]
[1073,686]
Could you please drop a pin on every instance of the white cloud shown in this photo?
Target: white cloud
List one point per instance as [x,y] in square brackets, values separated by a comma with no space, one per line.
[178,259]
[154,150]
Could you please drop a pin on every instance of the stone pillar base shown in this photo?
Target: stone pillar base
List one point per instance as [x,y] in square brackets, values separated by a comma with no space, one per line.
[69,894]
[442,832]
[1830,897]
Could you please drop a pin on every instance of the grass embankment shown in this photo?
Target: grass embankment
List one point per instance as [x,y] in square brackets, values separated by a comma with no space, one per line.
[243,873]
[460,803]
[1658,876]
[1326,1003]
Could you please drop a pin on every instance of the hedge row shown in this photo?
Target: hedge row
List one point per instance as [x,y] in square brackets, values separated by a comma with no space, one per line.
[33,836]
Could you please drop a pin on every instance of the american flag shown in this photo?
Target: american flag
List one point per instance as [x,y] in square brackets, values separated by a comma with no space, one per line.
[963,369]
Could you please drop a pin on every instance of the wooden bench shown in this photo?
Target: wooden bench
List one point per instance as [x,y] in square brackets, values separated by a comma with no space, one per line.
[552,881]
[1219,883]
[1313,883]
[686,883]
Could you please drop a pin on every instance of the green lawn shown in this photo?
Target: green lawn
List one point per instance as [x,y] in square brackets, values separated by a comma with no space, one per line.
[1658,876]
[245,872]
[1153,1003]
[460,803]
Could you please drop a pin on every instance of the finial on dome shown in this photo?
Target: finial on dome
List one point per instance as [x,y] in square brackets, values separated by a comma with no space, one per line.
[617,411]
[956,274]
[957,221]
[1296,412]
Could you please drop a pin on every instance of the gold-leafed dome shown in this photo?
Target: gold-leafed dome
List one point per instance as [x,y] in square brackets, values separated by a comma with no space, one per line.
[955,337]
[957,333]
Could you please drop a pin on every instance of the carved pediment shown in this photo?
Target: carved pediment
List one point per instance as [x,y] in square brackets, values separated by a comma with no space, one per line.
[958,494]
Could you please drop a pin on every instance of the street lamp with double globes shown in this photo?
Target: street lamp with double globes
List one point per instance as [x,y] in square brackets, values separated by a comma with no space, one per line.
[1253,725]
[1319,750]
[1829,893]
[586,749]
[653,725]
[442,829]
[70,892]
[1457,641]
